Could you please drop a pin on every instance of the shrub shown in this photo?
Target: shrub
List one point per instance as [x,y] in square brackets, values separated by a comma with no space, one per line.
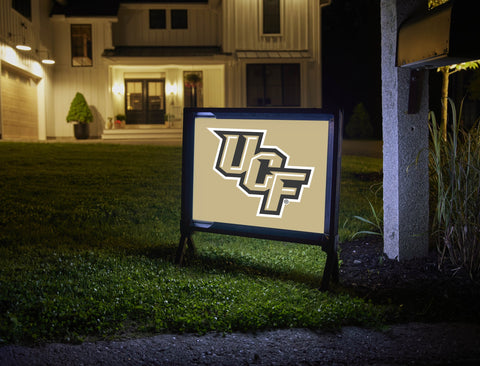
[79,110]
[455,177]
[359,125]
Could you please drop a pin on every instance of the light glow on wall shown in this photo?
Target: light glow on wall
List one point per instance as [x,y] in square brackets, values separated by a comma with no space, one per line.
[171,89]
[37,69]
[10,56]
[118,89]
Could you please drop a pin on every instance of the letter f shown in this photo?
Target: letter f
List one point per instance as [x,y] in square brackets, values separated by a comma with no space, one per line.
[286,185]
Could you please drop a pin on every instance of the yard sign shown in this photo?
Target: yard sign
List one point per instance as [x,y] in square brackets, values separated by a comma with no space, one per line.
[264,173]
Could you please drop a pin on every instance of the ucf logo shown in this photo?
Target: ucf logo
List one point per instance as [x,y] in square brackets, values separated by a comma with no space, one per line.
[260,170]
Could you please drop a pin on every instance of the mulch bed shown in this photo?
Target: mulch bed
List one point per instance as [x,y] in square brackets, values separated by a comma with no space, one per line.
[419,287]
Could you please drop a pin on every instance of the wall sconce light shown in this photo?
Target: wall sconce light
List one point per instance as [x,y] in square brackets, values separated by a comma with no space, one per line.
[172,89]
[22,44]
[118,89]
[47,60]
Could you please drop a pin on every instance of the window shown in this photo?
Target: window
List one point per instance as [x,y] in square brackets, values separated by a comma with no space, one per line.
[179,19]
[158,19]
[134,95]
[24,7]
[273,85]
[271,17]
[81,44]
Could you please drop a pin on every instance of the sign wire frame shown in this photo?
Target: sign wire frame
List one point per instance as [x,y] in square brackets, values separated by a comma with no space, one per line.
[328,240]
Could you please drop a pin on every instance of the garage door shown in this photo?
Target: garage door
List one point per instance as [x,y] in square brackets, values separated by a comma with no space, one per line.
[19,118]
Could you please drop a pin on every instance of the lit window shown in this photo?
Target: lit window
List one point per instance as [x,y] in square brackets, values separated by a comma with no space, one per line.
[81,44]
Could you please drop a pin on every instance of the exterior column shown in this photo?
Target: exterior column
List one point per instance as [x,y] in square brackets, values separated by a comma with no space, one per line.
[405,145]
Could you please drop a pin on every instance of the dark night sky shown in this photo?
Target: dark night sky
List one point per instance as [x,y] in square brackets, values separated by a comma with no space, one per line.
[351,58]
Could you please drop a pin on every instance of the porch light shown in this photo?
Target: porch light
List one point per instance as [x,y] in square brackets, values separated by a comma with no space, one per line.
[47,60]
[21,45]
[172,89]
[118,89]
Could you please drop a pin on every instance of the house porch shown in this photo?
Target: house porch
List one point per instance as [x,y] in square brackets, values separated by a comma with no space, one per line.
[172,133]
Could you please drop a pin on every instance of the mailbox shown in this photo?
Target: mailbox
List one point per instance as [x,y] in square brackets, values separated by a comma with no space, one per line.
[446,35]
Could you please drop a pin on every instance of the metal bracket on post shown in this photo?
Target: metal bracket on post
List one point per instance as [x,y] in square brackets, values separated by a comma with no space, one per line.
[331,271]
[415,91]
[185,241]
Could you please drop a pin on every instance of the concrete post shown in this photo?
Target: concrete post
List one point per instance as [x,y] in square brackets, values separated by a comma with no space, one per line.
[405,138]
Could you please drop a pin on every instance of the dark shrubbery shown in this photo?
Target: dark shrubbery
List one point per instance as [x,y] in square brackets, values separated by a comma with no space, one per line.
[359,126]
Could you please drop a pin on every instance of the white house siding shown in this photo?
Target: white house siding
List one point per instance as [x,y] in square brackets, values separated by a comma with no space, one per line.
[243,32]
[46,112]
[214,87]
[301,24]
[11,22]
[37,33]
[91,81]
[233,25]
[133,27]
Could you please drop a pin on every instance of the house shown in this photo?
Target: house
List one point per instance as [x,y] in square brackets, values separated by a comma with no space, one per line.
[147,60]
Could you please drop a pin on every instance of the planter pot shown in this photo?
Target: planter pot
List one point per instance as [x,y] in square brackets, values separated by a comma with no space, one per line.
[81,131]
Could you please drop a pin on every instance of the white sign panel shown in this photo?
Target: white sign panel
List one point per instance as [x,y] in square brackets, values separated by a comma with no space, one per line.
[269,173]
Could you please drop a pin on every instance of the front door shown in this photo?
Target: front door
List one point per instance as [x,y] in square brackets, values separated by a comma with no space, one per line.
[145,101]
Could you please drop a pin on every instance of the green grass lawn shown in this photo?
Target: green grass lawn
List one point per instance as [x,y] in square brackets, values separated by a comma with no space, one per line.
[88,234]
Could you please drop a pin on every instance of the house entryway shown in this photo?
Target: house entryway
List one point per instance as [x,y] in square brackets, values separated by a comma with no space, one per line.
[145,101]
[19,118]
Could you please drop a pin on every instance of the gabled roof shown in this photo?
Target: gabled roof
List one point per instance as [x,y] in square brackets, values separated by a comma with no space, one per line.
[95,8]
[85,8]
[165,1]
[158,51]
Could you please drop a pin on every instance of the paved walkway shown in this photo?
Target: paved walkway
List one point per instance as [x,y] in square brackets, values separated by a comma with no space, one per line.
[401,344]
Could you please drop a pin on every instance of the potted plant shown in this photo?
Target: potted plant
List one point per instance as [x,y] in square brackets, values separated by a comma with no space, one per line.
[192,81]
[120,120]
[80,115]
